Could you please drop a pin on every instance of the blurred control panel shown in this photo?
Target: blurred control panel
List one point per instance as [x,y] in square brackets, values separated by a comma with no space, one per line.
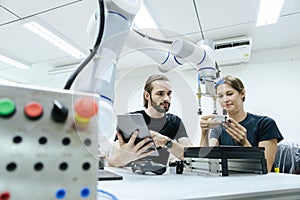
[48,144]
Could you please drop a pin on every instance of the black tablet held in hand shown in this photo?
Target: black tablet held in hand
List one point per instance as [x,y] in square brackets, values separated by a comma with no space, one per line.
[128,123]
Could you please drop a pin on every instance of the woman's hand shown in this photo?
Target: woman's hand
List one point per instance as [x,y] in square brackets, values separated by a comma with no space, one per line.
[237,132]
[207,123]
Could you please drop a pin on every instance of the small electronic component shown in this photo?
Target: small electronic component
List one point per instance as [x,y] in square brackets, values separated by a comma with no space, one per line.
[220,118]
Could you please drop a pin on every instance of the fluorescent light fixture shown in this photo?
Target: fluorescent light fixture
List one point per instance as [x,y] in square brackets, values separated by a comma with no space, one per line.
[62,70]
[143,19]
[43,32]
[269,11]
[13,62]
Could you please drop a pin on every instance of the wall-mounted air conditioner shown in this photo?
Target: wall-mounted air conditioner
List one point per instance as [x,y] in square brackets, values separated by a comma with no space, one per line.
[232,51]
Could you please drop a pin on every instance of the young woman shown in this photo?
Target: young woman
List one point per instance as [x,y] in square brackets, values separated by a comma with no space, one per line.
[241,128]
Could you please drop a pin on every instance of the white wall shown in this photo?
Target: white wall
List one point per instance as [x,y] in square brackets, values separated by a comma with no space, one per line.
[271,80]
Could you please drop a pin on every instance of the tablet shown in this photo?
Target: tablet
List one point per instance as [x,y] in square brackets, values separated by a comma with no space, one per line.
[128,123]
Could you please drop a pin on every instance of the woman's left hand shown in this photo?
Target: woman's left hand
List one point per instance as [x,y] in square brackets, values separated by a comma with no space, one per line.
[237,132]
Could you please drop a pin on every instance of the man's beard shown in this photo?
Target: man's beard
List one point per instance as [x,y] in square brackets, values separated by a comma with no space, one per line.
[158,107]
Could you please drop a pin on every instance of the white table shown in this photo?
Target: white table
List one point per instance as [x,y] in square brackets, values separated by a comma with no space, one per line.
[192,186]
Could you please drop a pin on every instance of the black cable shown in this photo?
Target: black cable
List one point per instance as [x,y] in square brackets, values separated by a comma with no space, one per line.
[152,38]
[198,18]
[93,51]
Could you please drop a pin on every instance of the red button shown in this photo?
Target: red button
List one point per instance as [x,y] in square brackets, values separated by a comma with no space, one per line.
[86,107]
[33,110]
[4,196]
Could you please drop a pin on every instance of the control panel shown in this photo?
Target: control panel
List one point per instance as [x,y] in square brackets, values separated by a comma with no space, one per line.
[48,144]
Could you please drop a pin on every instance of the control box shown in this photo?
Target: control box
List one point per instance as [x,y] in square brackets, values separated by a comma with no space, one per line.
[48,144]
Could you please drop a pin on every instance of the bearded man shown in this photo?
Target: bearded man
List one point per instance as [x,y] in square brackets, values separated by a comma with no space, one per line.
[167,130]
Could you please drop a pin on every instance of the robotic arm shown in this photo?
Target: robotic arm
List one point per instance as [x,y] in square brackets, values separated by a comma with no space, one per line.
[201,57]
[98,76]
[179,52]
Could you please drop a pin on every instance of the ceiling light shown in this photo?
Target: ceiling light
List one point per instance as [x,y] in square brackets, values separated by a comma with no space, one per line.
[269,11]
[13,62]
[143,19]
[54,39]
[62,69]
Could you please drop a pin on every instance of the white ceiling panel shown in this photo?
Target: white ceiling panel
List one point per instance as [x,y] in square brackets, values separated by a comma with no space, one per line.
[25,45]
[3,66]
[71,21]
[176,16]
[290,7]
[6,16]
[281,35]
[18,40]
[216,14]
[27,8]
[218,19]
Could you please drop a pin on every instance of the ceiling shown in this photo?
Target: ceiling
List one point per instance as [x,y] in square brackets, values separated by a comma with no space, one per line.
[213,19]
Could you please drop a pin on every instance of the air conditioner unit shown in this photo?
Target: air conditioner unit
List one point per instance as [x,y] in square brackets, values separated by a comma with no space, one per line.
[232,51]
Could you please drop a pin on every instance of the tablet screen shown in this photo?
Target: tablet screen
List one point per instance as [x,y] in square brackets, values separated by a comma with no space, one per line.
[128,123]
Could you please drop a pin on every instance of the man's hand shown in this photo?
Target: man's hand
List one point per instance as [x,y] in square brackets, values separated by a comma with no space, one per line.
[159,139]
[129,151]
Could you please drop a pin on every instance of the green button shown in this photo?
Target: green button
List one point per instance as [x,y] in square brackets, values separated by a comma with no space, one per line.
[7,107]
